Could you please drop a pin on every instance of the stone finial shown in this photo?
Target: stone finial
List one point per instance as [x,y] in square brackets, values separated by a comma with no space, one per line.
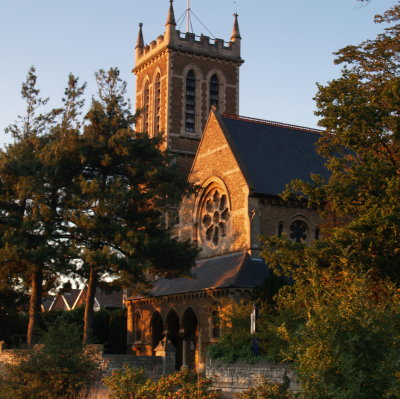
[140,42]
[235,32]
[171,15]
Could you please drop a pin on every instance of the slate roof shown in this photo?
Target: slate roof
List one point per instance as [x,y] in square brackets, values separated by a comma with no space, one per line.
[112,299]
[271,154]
[235,270]
[71,295]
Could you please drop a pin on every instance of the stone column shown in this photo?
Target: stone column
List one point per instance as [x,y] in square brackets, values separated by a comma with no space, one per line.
[129,327]
[167,351]
[185,348]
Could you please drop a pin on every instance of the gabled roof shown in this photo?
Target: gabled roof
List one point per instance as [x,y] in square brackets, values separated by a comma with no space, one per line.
[235,270]
[70,296]
[272,154]
[102,299]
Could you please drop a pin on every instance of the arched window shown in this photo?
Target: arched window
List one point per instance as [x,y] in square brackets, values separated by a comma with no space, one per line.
[317,233]
[215,321]
[190,115]
[214,91]
[157,104]
[146,104]
[137,327]
[280,229]
[298,230]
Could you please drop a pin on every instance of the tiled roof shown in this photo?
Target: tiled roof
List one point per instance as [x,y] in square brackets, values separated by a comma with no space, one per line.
[236,270]
[271,154]
[71,295]
[106,299]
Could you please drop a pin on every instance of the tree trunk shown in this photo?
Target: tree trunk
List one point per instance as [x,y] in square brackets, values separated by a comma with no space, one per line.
[35,305]
[88,319]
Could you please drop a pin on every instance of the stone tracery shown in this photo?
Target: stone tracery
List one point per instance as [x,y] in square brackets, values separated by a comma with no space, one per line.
[214,217]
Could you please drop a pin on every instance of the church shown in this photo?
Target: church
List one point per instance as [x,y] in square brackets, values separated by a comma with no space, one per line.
[187,87]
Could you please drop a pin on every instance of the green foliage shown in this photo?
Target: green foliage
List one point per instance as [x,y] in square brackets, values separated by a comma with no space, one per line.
[349,344]
[35,172]
[58,368]
[267,390]
[236,342]
[125,185]
[129,383]
[341,318]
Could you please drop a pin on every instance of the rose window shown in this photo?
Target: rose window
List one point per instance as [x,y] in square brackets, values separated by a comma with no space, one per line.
[298,230]
[215,217]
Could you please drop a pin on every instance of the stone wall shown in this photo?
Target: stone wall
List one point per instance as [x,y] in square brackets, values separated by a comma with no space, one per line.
[153,365]
[236,377]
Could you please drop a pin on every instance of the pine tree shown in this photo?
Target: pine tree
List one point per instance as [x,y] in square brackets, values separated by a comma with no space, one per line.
[34,172]
[126,185]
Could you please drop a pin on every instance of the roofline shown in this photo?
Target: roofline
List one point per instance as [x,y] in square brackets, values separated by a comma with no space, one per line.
[190,292]
[234,150]
[52,303]
[78,297]
[272,123]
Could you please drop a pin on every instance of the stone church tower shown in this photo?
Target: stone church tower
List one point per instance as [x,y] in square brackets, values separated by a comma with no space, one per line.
[240,165]
[179,77]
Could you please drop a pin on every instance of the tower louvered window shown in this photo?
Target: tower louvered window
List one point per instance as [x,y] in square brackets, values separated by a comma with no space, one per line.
[146,103]
[157,104]
[214,91]
[190,117]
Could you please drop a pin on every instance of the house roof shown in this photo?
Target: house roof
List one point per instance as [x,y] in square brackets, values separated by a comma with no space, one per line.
[235,270]
[109,299]
[272,154]
[102,298]
[47,302]
[70,296]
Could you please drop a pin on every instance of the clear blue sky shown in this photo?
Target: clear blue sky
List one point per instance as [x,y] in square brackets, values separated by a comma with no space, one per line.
[287,46]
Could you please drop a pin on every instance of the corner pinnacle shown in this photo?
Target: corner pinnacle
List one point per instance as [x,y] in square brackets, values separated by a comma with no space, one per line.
[235,32]
[171,15]
[140,42]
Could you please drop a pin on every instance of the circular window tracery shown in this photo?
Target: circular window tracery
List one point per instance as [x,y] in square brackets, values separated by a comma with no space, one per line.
[298,230]
[214,217]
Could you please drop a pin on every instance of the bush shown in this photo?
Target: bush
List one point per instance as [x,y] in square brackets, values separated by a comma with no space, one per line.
[236,342]
[129,383]
[267,390]
[58,368]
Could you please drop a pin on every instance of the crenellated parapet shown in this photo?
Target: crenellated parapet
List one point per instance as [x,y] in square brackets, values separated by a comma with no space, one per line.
[179,77]
[189,42]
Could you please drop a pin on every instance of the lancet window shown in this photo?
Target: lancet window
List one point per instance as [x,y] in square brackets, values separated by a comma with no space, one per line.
[190,115]
[157,104]
[214,91]
[146,104]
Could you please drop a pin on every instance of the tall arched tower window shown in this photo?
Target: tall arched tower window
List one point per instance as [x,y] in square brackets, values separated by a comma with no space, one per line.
[214,91]
[157,104]
[146,104]
[190,114]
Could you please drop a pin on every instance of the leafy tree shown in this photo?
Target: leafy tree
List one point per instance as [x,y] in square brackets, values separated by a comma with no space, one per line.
[34,172]
[361,114]
[345,342]
[125,186]
[58,368]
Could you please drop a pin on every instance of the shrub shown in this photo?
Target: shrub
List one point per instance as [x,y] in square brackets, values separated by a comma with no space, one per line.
[129,383]
[58,368]
[267,390]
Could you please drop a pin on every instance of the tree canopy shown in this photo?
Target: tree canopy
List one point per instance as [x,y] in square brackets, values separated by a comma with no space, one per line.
[86,196]
[345,296]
